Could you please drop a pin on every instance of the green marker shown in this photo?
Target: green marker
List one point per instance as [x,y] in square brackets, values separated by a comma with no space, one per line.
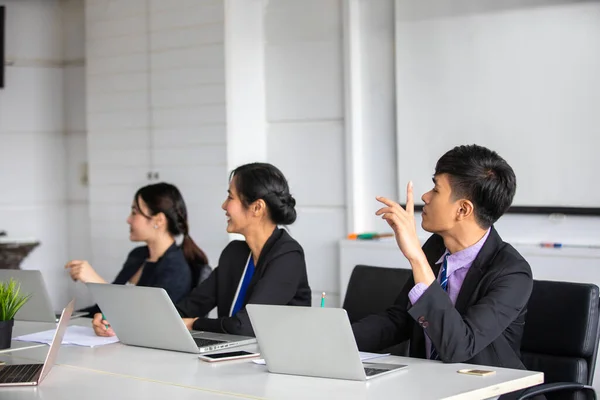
[369,235]
[323,300]
[104,319]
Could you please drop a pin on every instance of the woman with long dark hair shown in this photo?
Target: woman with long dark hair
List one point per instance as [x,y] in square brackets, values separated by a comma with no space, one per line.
[158,216]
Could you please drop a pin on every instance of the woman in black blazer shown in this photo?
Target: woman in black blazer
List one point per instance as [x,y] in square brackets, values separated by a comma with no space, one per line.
[267,268]
[158,215]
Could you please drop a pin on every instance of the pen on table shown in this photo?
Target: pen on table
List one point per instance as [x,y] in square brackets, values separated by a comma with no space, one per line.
[323,300]
[557,245]
[104,319]
[369,235]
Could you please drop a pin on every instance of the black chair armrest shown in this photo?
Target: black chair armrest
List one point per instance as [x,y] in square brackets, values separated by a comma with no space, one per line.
[553,387]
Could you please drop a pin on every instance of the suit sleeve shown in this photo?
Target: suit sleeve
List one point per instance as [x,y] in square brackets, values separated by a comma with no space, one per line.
[457,337]
[278,286]
[201,300]
[379,331]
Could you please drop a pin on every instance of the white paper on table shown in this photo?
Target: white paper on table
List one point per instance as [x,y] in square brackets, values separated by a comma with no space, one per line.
[364,356]
[76,335]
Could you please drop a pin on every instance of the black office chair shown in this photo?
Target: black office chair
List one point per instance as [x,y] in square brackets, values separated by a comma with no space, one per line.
[205,271]
[200,273]
[561,339]
[372,290]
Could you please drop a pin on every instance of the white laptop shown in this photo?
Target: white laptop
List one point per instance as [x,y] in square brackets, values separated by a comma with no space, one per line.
[146,317]
[33,374]
[39,307]
[311,341]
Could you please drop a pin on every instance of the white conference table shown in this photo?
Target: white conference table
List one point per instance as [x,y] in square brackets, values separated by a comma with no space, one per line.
[130,366]
[71,383]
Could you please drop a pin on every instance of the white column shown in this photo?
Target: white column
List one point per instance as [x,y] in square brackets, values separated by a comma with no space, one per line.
[245,82]
[369,78]
[353,116]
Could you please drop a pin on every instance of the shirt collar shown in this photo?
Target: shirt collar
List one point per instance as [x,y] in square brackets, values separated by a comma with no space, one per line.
[465,257]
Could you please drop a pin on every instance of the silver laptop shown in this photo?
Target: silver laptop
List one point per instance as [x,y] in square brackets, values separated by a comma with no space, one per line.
[146,317]
[39,307]
[33,374]
[311,341]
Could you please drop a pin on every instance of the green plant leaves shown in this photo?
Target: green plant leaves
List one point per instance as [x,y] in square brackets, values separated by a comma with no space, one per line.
[11,299]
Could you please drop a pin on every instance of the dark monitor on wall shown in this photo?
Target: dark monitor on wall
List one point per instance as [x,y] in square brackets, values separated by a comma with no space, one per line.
[2,60]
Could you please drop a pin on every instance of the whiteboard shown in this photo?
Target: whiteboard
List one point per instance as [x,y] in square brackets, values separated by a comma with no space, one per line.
[523,80]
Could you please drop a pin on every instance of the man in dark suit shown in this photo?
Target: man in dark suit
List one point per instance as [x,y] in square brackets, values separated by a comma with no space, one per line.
[468,296]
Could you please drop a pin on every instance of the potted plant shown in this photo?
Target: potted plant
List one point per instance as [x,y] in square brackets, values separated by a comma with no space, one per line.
[11,300]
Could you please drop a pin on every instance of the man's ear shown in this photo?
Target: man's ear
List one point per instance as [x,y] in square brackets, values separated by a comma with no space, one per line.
[465,210]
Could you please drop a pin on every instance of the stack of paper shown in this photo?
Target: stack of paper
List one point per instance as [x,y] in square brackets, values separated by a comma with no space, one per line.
[76,335]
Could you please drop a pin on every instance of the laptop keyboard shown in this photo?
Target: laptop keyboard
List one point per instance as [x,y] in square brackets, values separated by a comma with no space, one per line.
[374,371]
[207,342]
[19,373]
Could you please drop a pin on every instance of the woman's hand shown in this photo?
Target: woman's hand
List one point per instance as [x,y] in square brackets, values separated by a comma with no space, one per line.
[189,322]
[81,270]
[101,326]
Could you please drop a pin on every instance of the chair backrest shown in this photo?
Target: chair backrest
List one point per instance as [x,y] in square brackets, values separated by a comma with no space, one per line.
[205,271]
[561,332]
[200,273]
[373,289]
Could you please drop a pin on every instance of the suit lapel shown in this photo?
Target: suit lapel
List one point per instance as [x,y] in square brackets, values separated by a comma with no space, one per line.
[262,260]
[434,249]
[478,269]
[468,287]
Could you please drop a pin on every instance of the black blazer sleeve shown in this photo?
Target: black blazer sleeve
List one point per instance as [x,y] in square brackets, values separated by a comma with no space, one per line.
[379,331]
[460,337]
[200,300]
[394,325]
[278,285]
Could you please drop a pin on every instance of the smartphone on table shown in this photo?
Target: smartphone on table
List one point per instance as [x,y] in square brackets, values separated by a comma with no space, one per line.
[230,355]
[477,372]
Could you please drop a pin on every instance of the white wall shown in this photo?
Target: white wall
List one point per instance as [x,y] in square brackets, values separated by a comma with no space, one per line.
[546,16]
[377,33]
[32,144]
[303,105]
[521,80]
[77,197]
[156,85]
[188,111]
[155,104]
[117,119]
[305,116]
